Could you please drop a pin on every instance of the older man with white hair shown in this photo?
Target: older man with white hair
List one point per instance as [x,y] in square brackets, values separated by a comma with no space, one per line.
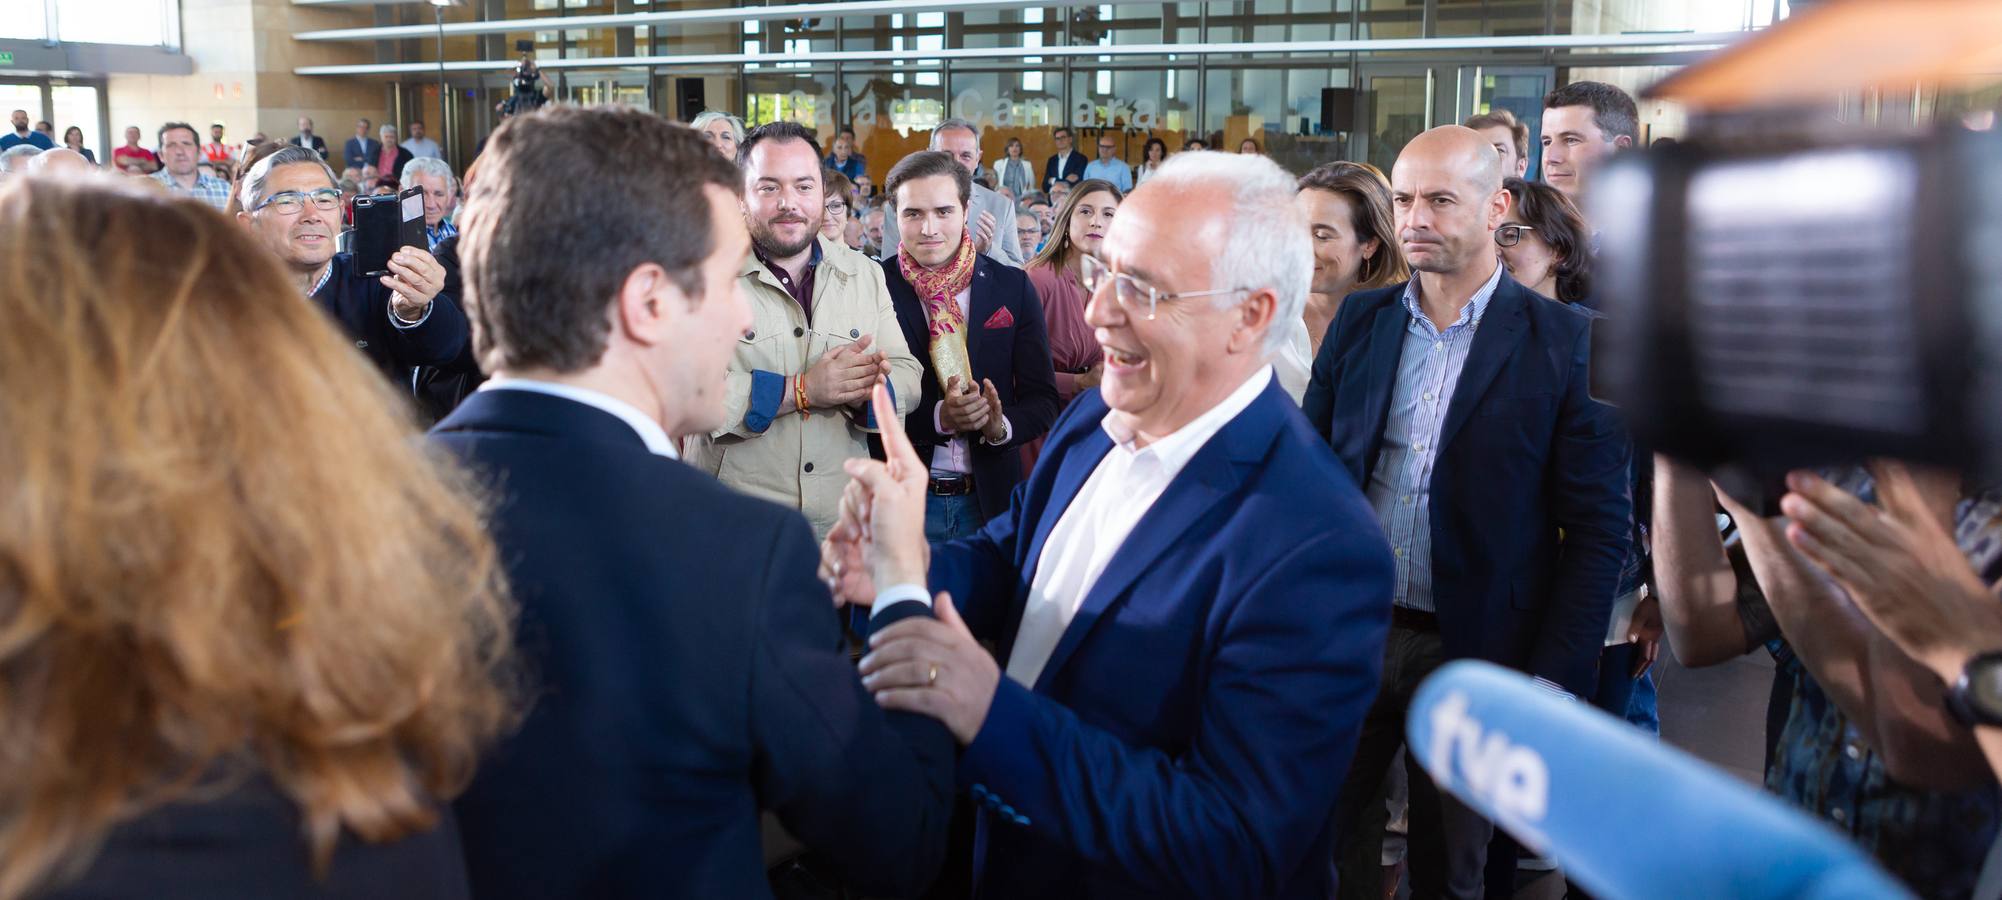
[441,196]
[1187,600]
[60,161]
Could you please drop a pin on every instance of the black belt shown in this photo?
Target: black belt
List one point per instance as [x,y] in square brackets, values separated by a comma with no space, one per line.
[1413,619]
[952,487]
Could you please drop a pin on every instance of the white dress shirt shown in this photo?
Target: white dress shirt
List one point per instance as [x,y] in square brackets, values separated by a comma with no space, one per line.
[955,457]
[657,441]
[1105,511]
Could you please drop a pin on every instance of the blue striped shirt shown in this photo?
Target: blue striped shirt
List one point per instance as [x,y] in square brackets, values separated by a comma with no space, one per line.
[1400,485]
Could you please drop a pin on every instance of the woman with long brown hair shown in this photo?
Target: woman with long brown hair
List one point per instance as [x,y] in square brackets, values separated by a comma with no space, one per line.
[252,630]
[1347,204]
[1078,229]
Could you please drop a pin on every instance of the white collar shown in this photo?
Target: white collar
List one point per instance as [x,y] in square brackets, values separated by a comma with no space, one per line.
[657,441]
[1178,447]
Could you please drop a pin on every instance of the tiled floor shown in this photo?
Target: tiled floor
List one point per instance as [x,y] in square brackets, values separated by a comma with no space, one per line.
[1719,713]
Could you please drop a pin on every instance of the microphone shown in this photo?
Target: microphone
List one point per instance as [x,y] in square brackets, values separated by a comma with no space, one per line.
[1548,770]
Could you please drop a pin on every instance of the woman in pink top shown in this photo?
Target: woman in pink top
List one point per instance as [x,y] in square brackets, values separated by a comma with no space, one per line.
[1079,229]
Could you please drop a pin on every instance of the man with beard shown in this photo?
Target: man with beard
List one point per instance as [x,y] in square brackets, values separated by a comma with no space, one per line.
[399,320]
[823,333]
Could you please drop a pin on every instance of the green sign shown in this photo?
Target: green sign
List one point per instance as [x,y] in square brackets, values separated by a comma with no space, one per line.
[6,58]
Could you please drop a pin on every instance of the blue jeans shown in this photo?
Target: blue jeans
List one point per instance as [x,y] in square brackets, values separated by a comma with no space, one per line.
[1632,699]
[950,518]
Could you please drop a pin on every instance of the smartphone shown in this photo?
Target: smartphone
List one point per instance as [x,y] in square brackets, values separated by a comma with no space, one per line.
[384,225]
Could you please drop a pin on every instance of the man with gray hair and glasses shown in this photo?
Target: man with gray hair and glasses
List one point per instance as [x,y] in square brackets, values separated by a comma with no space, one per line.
[990,216]
[399,320]
[1187,600]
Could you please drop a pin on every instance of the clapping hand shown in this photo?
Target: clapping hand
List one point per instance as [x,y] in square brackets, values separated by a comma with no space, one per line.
[1899,563]
[844,374]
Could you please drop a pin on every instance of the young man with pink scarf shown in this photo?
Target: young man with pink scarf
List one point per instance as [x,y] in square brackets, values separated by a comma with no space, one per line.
[976,326]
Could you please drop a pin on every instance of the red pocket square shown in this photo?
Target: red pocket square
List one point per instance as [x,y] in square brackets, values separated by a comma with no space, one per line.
[1001,318]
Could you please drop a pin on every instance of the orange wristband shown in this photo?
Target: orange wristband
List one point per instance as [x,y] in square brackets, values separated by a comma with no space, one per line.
[799,395]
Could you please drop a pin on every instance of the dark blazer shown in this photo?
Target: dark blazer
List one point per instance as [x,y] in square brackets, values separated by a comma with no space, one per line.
[440,389]
[1064,168]
[1015,356]
[361,305]
[246,843]
[1524,454]
[319,144]
[361,152]
[689,672]
[1190,732]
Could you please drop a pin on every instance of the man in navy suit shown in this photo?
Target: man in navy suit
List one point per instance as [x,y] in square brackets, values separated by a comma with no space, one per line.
[1458,401]
[688,667]
[362,151]
[968,435]
[1188,597]
[1066,165]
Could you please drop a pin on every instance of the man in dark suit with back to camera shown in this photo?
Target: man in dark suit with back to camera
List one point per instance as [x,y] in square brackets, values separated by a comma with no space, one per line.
[1458,402]
[1187,599]
[970,436]
[689,666]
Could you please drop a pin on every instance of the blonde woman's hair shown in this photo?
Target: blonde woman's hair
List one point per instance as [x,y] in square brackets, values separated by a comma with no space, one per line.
[223,546]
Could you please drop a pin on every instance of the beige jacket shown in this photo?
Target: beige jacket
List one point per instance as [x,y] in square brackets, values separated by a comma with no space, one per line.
[794,459]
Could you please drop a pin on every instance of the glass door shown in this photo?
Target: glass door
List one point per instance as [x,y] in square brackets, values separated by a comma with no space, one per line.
[1518,89]
[1397,105]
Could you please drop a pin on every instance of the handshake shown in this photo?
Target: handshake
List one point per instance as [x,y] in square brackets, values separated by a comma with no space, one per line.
[930,665]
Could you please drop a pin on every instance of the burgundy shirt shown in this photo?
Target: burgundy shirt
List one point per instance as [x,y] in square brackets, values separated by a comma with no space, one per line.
[802,292]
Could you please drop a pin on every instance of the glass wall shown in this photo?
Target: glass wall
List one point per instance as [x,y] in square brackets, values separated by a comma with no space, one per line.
[1299,107]
[141,22]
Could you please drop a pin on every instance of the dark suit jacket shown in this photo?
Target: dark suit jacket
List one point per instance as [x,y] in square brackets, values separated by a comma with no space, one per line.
[440,389]
[319,144]
[1190,732]
[1524,454]
[1069,169]
[1016,357]
[247,844]
[361,305]
[689,673]
[361,152]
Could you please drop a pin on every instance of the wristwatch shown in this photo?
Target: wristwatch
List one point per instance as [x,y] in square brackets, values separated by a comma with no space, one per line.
[1976,699]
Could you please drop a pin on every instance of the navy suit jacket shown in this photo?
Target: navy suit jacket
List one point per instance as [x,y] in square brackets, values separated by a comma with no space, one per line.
[1524,454]
[689,672]
[360,152]
[1064,168]
[1015,356]
[361,304]
[1190,733]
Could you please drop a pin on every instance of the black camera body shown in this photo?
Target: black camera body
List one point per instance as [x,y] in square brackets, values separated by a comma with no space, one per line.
[1775,302]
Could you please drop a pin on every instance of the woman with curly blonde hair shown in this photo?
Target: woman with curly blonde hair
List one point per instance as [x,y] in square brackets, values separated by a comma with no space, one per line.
[252,631]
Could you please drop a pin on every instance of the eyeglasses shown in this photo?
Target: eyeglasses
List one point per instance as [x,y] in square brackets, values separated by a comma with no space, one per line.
[837,207]
[1510,235]
[1134,295]
[290,203]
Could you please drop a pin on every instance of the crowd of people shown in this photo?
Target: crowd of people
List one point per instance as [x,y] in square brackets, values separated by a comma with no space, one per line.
[1011,531]
[373,161]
